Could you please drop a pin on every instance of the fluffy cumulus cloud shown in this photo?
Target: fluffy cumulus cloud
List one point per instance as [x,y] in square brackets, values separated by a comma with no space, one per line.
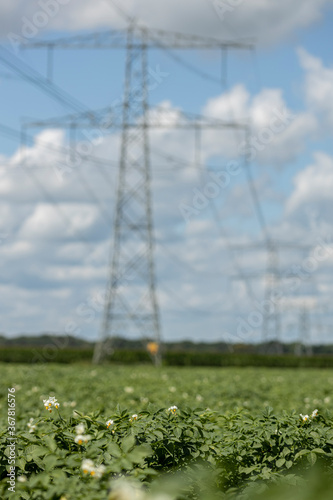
[52,231]
[313,187]
[318,86]
[265,20]
[277,135]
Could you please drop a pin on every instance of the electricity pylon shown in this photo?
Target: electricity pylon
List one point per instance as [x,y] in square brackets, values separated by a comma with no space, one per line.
[271,321]
[272,318]
[131,302]
[305,327]
[304,306]
[133,227]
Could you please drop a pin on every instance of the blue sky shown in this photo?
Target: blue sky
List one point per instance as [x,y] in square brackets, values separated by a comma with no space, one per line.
[49,274]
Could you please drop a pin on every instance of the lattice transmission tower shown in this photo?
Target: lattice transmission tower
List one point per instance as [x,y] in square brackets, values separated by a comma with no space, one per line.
[271,307]
[131,305]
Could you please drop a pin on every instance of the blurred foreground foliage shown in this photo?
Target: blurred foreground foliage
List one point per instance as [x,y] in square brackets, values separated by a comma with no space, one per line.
[162,454]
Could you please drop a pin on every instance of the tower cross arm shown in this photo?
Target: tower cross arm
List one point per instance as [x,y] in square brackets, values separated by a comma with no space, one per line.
[273,244]
[152,38]
[157,117]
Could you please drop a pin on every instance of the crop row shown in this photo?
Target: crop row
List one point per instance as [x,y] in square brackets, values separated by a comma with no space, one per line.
[53,354]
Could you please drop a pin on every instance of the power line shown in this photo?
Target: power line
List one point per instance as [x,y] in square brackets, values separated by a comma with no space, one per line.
[221,230]
[190,67]
[39,185]
[122,12]
[86,158]
[182,263]
[133,208]
[16,135]
[32,76]
[8,76]
[255,197]
[185,64]
[187,307]
[29,172]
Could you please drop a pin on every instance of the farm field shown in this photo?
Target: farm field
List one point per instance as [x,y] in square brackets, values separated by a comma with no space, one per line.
[133,387]
[217,432]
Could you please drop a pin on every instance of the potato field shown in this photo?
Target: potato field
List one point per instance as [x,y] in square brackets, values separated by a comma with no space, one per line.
[123,433]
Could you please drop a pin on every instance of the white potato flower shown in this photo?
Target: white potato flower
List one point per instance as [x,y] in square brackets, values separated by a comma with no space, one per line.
[129,390]
[81,438]
[99,471]
[124,490]
[50,403]
[173,409]
[88,467]
[109,422]
[307,418]
[32,427]
[80,428]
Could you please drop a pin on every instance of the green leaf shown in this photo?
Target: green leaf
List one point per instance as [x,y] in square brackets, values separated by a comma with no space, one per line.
[25,495]
[301,453]
[312,457]
[58,474]
[128,443]
[139,453]
[319,451]
[280,462]
[177,432]
[114,450]
[36,451]
[126,463]
[20,462]
[247,470]
[50,462]
[50,443]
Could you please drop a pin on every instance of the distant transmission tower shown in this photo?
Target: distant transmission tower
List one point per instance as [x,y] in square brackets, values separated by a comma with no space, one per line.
[304,306]
[305,327]
[131,303]
[271,327]
[271,324]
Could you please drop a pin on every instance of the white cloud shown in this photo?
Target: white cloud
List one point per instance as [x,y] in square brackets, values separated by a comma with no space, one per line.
[232,105]
[75,273]
[47,222]
[267,21]
[277,134]
[313,187]
[18,250]
[43,171]
[318,86]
